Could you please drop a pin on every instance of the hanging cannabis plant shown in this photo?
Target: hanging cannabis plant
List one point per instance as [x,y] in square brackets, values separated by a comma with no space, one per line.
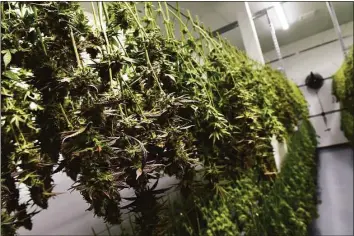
[33,52]
[343,87]
[286,205]
[125,103]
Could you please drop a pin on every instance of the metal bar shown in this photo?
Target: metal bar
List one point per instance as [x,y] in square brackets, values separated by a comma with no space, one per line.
[304,85]
[284,57]
[323,112]
[328,112]
[322,44]
[275,42]
[334,18]
[225,29]
[340,145]
[261,13]
[309,48]
[232,25]
[176,10]
[248,32]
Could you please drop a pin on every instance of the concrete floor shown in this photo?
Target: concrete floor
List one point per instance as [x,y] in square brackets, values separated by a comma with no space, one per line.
[335,179]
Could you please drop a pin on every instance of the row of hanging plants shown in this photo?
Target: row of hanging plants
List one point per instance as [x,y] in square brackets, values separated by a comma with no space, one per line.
[123,102]
[343,89]
[285,205]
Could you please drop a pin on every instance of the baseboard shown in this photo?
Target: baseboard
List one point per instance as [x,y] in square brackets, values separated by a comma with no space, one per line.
[342,145]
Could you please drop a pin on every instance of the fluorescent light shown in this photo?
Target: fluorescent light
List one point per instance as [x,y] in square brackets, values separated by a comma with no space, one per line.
[281,16]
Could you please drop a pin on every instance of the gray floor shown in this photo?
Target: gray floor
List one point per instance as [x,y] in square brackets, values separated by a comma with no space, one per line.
[335,179]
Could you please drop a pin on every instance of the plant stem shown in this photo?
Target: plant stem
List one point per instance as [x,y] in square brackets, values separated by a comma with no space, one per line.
[125,52]
[153,71]
[170,23]
[205,35]
[121,228]
[146,52]
[108,230]
[10,10]
[100,17]
[14,133]
[154,15]
[75,48]
[101,8]
[182,23]
[2,11]
[94,15]
[149,13]
[165,21]
[179,18]
[38,31]
[131,224]
[93,231]
[66,118]
[136,19]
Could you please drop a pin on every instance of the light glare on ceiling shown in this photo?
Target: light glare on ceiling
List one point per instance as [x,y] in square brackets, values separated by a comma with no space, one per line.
[281,16]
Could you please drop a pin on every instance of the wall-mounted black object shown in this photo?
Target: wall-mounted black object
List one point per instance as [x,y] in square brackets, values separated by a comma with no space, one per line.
[314,81]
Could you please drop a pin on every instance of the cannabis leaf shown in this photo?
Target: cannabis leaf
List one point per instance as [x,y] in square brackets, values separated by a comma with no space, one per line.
[7,58]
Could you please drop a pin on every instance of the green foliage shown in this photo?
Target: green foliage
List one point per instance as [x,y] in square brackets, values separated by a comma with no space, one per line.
[30,122]
[128,103]
[20,152]
[286,205]
[343,89]
[292,201]
[347,124]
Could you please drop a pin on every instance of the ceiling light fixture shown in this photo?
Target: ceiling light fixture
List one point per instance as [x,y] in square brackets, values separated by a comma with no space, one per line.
[281,16]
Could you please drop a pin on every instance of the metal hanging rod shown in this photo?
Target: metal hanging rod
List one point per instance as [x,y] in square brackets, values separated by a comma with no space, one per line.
[225,29]
[309,48]
[327,112]
[336,25]
[232,25]
[275,42]
[176,10]
[304,85]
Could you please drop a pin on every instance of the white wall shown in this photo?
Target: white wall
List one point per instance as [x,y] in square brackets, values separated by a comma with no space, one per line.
[325,60]
[66,213]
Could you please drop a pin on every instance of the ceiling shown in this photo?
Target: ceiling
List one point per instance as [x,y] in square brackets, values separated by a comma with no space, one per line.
[305,19]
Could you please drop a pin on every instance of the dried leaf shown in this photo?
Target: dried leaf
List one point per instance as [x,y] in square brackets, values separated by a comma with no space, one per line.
[171,77]
[138,173]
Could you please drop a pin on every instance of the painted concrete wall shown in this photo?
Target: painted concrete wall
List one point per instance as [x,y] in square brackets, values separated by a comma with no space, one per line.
[67,215]
[325,60]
